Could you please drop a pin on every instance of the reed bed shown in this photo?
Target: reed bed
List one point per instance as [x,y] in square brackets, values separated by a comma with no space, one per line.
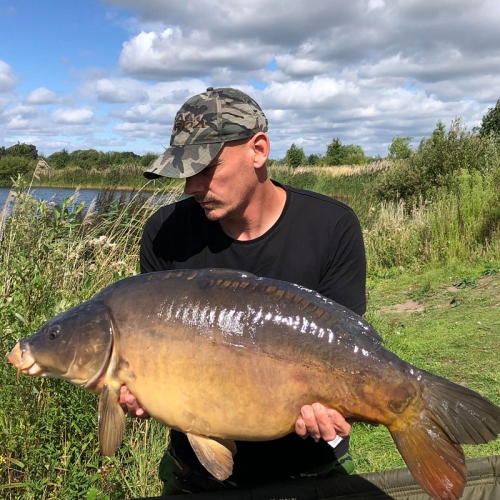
[335,171]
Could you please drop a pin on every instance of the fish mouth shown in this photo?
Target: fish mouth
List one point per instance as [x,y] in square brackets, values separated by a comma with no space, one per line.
[23,361]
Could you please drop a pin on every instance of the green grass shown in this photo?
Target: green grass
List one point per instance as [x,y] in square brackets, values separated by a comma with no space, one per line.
[456,336]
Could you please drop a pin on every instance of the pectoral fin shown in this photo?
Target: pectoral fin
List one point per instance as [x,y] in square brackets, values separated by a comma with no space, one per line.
[111,421]
[215,455]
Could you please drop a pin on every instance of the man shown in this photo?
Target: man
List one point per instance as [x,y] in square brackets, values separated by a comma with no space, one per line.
[236,217]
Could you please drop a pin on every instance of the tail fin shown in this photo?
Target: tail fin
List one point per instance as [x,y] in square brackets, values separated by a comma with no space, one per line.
[431,448]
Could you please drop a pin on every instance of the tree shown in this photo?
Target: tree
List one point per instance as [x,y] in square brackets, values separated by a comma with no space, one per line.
[314,159]
[59,159]
[334,153]
[400,148]
[354,155]
[12,166]
[24,150]
[295,156]
[339,154]
[88,159]
[491,121]
[147,159]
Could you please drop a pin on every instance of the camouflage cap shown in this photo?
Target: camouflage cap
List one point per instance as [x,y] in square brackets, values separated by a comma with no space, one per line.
[202,126]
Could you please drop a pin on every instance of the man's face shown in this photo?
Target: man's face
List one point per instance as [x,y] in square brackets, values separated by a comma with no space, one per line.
[224,188]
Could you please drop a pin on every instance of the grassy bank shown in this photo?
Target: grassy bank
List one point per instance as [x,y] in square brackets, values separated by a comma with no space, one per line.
[445,320]
[434,293]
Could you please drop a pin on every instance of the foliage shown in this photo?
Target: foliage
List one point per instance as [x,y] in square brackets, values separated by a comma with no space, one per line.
[400,148]
[339,154]
[90,159]
[437,161]
[314,159]
[122,176]
[334,153]
[12,166]
[461,223]
[59,159]
[491,121]
[295,156]
[148,159]
[23,150]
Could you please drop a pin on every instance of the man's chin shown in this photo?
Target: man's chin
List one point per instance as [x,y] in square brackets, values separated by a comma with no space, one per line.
[212,215]
[215,214]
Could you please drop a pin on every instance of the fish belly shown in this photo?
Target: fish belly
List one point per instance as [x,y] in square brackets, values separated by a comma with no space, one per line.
[224,391]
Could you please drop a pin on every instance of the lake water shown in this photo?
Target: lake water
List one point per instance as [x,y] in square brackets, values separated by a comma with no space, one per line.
[58,194]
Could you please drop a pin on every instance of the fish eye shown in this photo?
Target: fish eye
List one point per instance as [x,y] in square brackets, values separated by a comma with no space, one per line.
[54,332]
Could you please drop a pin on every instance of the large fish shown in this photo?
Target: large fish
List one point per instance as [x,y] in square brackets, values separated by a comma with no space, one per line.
[204,351]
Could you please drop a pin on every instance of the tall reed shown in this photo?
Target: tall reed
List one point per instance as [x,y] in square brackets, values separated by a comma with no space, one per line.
[455,225]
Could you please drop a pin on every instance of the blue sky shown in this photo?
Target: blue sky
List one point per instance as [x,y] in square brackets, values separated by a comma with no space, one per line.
[111,74]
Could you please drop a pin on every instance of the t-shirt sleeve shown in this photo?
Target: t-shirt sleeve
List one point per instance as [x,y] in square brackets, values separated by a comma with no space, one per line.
[344,279]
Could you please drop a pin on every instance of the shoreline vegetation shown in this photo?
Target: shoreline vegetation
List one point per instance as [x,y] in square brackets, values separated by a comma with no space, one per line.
[431,224]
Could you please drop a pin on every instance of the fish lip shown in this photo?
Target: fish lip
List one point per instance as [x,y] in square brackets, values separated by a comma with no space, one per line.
[15,355]
[21,358]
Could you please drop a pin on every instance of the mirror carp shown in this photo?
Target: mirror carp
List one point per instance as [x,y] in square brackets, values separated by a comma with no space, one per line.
[203,351]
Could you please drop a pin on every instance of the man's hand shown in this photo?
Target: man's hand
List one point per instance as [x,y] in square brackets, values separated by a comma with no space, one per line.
[320,422]
[130,404]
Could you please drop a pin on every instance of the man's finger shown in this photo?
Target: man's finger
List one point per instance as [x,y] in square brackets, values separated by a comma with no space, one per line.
[326,428]
[340,424]
[311,425]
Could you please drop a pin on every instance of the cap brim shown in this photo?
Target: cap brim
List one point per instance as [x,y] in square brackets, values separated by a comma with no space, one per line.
[179,162]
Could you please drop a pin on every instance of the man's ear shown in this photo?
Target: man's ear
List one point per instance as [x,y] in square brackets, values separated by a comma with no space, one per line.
[262,147]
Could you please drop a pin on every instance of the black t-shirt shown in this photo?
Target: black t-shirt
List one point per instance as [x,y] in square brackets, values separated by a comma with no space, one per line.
[316,243]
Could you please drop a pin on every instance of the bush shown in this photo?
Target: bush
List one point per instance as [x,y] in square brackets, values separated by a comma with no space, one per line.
[12,166]
[59,159]
[437,161]
[314,159]
[88,158]
[148,159]
[122,158]
[295,156]
[339,154]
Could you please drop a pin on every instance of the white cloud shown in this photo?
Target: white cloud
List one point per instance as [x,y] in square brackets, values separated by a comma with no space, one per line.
[119,91]
[7,78]
[80,116]
[171,54]
[42,96]
[364,71]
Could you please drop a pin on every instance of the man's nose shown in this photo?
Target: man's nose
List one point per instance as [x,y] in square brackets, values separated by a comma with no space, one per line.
[194,185]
